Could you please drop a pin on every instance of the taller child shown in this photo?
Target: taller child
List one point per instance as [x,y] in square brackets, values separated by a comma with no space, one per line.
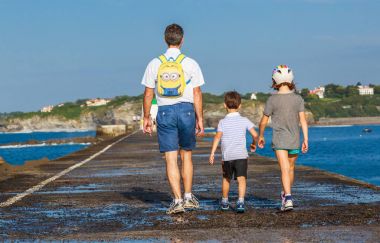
[175,79]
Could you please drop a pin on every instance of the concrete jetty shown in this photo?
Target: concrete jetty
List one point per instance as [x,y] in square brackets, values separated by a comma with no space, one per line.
[117,190]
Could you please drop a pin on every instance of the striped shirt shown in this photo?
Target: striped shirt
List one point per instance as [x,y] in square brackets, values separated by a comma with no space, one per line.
[234,129]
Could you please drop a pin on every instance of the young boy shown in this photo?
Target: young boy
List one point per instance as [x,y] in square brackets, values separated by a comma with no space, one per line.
[232,131]
[286,108]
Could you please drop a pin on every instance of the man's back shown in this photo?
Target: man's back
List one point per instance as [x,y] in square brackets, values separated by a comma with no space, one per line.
[193,77]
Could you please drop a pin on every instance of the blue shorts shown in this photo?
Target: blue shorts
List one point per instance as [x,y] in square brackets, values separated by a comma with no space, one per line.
[176,127]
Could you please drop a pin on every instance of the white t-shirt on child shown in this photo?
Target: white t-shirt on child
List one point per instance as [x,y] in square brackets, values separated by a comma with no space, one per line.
[234,128]
[191,70]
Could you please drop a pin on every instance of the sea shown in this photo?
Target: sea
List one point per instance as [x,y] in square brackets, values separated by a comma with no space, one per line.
[18,154]
[346,150]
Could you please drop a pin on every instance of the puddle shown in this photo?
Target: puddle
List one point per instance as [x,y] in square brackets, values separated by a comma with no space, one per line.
[89,188]
[342,194]
[202,217]
[120,172]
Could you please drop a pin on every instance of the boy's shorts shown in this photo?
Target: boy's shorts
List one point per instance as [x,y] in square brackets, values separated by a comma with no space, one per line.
[235,168]
[176,127]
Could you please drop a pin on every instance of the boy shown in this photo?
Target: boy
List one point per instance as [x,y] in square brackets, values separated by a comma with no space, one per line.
[232,131]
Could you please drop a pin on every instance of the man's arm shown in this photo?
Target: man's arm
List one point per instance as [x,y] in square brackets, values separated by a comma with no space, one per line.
[148,97]
[198,110]
[263,124]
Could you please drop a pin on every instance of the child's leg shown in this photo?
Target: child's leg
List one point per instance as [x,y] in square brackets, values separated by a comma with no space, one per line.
[292,163]
[242,186]
[283,161]
[225,187]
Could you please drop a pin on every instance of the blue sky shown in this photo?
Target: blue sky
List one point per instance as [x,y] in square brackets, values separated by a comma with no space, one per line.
[56,51]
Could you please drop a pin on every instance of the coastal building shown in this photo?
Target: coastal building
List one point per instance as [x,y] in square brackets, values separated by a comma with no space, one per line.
[48,108]
[253,96]
[320,92]
[97,102]
[365,90]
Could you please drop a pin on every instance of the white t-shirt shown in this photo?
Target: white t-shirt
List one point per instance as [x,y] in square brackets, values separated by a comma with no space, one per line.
[192,72]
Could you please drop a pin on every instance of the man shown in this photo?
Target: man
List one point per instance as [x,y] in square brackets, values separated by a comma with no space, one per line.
[175,80]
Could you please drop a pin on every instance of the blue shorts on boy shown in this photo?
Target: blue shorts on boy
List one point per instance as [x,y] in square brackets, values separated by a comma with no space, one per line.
[234,128]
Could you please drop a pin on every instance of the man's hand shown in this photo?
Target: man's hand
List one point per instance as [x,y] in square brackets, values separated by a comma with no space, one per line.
[211,160]
[147,125]
[253,147]
[305,146]
[199,128]
[261,142]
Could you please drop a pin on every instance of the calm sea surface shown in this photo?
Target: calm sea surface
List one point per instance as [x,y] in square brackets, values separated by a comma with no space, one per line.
[345,150]
[17,155]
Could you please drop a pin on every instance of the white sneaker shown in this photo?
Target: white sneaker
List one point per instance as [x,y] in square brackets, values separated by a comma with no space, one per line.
[175,208]
[192,202]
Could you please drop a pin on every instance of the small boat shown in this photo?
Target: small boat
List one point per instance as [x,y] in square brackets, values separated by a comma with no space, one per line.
[367,130]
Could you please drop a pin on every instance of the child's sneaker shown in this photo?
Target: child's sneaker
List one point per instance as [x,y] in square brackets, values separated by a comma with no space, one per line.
[287,204]
[175,208]
[224,205]
[240,208]
[192,202]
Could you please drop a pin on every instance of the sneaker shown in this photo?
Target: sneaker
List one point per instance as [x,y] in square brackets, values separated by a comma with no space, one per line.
[192,202]
[282,197]
[224,206]
[175,208]
[287,204]
[240,208]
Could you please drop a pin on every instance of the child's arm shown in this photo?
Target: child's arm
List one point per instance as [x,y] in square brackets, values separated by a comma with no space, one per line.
[305,144]
[255,136]
[215,144]
[263,124]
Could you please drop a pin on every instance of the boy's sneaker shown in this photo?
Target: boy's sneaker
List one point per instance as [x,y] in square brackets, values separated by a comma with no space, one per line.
[192,202]
[224,206]
[287,204]
[175,208]
[240,208]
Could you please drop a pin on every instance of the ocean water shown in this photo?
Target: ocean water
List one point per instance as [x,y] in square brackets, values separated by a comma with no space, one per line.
[17,155]
[345,150]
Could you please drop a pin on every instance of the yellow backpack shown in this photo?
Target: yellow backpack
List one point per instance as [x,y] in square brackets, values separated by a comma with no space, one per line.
[171,78]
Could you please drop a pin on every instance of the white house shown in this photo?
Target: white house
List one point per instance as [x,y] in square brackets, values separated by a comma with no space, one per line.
[320,92]
[97,102]
[365,90]
[48,108]
[253,96]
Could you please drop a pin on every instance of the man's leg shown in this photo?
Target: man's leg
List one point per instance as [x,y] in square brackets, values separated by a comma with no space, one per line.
[173,174]
[187,170]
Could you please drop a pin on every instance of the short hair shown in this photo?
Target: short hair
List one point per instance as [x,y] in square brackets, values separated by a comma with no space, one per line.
[232,99]
[173,35]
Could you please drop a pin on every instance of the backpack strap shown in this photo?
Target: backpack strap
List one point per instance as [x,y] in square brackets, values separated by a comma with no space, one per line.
[162,58]
[180,58]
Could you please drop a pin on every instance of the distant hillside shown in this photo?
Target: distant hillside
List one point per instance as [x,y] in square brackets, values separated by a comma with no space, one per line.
[122,109]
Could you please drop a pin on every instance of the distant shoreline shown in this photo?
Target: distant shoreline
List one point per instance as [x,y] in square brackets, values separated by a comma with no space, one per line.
[348,121]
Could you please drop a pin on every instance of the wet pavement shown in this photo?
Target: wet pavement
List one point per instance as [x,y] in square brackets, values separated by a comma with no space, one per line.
[122,194]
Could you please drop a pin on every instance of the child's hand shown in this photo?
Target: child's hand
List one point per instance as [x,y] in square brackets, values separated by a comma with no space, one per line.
[305,146]
[253,147]
[261,142]
[211,160]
